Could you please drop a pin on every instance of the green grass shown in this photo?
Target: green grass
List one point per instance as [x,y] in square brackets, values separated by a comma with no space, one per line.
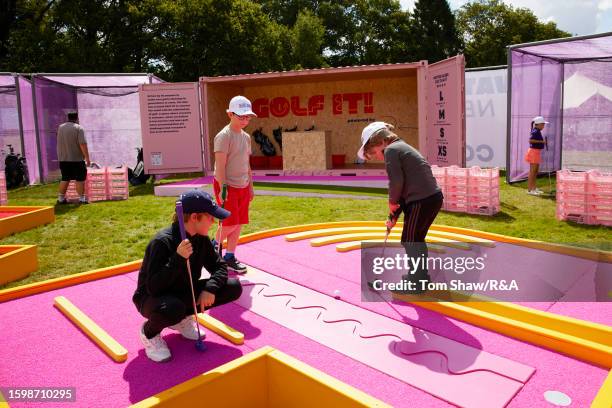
[108,233]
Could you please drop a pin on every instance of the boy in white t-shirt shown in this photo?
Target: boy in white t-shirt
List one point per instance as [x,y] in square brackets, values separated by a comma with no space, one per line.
[233,182]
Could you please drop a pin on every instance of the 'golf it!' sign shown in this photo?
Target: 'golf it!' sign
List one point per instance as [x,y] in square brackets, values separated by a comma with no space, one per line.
[445,118]
[280,106]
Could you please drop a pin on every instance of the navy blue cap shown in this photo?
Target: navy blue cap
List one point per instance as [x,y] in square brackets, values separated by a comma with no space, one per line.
[196,201]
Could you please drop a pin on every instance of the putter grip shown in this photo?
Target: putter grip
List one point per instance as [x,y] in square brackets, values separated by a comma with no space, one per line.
[181,222]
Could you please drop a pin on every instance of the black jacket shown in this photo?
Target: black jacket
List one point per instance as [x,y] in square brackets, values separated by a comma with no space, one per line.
[164,272]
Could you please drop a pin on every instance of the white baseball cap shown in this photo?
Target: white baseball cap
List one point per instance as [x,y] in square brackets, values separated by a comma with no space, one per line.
[367,133]
[539,120]
[240,106]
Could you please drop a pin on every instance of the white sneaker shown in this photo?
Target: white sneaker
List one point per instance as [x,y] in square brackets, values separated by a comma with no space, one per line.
[156,348]
[187,327]
[540,192]
[532,192]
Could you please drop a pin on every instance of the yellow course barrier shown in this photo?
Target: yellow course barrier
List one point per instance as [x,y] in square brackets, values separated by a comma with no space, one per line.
[17,262]
[381,236]
[97,334]
[221,328]
[354,245]
[25,218]
[603,399]
[275,380]
[580,339]
[323,232]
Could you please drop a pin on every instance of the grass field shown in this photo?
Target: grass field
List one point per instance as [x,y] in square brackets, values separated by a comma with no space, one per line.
[108,233]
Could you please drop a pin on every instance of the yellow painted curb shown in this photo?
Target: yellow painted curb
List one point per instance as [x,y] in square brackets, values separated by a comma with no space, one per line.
[354,245]
[381,229]
[603,399]
[17,262]
[25,218]
[580,339]
[221,328]
[97,334]
[334,239]
[275,380]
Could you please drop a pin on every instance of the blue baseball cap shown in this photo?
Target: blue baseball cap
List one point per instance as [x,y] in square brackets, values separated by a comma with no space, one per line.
[196,201]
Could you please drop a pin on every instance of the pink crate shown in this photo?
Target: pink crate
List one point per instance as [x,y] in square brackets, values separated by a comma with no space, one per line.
[572,207]
[599,199]
[455,206]
[599,183]
[570,197]
[600,220]
[572,176]
[571,188]
[438,172]
[599,209]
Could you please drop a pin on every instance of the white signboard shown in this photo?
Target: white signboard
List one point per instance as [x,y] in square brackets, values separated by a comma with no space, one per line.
[486,117]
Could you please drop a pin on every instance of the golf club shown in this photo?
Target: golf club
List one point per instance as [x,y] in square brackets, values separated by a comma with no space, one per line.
[199,345]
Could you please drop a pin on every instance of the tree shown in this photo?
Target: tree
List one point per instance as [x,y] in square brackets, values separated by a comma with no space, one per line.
[434,31]
[356,31]
[489,26]
[307,41]
[219,37]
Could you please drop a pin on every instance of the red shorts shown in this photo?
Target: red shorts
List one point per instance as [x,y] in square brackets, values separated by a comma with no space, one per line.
[237,202]
[533,156]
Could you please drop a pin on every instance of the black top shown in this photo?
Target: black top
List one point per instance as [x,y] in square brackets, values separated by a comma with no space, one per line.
[536,135]
[164,271]
[410,176]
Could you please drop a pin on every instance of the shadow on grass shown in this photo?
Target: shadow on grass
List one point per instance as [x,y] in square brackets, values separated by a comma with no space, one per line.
[501,216]
[142,190]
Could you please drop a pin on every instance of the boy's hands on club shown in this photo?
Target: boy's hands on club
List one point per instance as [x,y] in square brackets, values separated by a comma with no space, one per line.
[206,299]
[185,249]
[390,223]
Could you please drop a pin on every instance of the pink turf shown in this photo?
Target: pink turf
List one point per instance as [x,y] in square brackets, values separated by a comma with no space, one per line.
[7,214]
[40,347]
[326,270]
[51,351]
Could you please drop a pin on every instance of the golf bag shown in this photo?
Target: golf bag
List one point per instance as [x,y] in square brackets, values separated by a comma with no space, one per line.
[15,169]
[138,176]
[266,146]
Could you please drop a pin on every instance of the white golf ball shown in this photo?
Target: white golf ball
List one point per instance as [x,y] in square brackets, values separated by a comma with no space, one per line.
[337,294]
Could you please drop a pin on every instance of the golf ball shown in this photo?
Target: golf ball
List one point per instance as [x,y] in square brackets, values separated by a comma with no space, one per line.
[337,294]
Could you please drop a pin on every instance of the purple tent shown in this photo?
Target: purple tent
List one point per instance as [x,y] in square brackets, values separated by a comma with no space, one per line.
[17,121]
[569,82]
[108,109]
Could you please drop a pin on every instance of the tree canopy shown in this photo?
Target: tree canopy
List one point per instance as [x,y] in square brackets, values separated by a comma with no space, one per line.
[184,39]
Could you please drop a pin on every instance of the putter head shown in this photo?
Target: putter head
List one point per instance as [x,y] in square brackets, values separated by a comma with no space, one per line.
[199,345]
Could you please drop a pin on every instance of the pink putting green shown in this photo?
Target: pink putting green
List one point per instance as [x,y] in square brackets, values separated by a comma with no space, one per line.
[40,347]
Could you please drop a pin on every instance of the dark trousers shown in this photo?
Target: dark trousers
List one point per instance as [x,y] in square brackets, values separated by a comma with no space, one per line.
[418,217]
[168,310]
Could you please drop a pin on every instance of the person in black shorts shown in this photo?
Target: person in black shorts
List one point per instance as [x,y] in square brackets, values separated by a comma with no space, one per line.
[73,157]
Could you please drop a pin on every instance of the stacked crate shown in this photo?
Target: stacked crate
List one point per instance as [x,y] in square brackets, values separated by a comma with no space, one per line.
[469,190]
[3,193]
[584,197]
[102,184]
[117,187]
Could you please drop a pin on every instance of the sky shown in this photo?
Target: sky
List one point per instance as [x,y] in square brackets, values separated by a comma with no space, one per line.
[578,17]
